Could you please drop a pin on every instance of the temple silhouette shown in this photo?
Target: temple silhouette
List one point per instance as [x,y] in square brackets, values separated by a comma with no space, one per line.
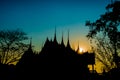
[55,61]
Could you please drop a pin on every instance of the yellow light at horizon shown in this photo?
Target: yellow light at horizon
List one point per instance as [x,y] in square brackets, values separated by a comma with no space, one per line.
[81,50]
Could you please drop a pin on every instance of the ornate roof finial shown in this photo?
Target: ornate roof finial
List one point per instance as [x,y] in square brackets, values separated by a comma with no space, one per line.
[47,41]
[30,45]
[68,43]
[77,48]
[62,42]
[55,40]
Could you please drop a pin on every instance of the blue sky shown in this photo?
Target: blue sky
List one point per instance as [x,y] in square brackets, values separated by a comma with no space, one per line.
[38,18]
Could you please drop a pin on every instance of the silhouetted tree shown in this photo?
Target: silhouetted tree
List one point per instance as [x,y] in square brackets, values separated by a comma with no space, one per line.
[104,52]
[11,45]
[107,25]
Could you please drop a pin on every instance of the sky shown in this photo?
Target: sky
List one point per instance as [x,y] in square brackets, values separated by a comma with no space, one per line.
[39,18]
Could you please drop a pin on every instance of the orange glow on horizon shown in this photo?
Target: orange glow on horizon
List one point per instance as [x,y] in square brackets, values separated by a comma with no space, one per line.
[81,50]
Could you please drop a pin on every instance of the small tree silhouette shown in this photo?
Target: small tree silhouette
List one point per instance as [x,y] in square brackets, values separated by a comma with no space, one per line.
[11,45]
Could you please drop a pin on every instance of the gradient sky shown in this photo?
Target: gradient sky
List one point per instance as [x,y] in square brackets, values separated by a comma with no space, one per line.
[38,18]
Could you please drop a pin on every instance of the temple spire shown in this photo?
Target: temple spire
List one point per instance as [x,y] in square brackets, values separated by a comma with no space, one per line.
[62,41]
[68,42]
[78,48]
[30,45]
[46,42]
[55,40]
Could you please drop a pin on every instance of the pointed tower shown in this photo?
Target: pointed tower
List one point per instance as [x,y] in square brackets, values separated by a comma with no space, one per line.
[62,41]
[68,43]
[30,45]
[78,48]
[55,40]
[47,42]
[27,57]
